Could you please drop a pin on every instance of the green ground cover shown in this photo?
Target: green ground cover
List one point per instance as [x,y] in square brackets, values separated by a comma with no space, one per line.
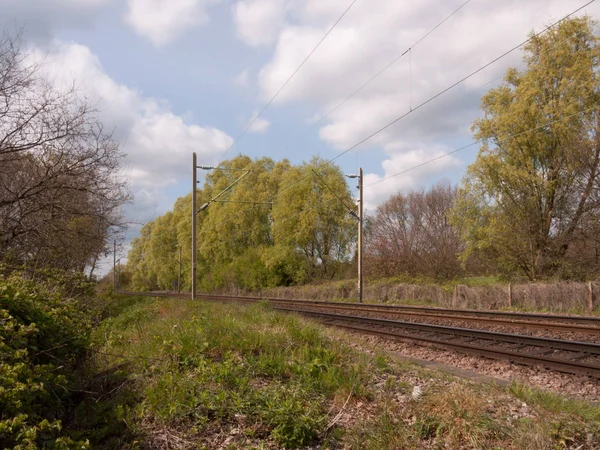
[206,375]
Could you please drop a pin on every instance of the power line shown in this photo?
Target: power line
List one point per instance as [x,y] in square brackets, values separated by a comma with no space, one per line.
[511,136]
[350,210]
[426,102]
[416,166]
[370,80]
[353,93]
[290,78]
[430,99]
[291,216]
[322,202]
[268,199]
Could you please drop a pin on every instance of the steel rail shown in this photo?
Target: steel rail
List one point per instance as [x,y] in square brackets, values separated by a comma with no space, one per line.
[573,367]
[557,326]
[447,314]
[509,318]
[581,350]
[555,344]
[562,365]
[426,309]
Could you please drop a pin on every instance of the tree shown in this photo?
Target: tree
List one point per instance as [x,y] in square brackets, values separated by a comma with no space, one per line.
[229,228]
[311,216]
[411,234]
[246,242]
[60,187]
[532,193]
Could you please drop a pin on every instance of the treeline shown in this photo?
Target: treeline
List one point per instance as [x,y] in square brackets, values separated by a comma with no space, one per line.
[411,234]
[61,190]
[281,224]
[528,207]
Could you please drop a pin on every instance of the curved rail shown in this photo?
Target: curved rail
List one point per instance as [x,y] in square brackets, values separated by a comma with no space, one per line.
[582,358]
[583,324]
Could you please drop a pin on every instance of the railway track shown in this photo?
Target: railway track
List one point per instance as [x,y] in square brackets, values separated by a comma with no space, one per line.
[576,357]
[557,323]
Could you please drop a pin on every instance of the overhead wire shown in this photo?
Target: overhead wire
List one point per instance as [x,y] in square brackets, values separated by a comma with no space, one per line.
[425,103]
[350,209]
[377,74]
[237,139]
[442,92]
[506,138]
[355,91]
[381,71]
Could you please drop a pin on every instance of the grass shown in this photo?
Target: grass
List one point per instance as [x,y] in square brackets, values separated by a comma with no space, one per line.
[205,375]
[217,366]
[447,285]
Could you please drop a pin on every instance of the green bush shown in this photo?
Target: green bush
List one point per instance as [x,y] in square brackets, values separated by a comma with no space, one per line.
[42,336]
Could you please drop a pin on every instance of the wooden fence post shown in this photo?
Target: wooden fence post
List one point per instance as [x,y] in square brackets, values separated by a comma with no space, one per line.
[455,296]
[590,297]
[509,295]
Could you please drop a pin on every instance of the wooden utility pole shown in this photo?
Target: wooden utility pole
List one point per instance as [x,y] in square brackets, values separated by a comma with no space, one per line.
[360,235]
[194,212]
[179,277]
[115,265]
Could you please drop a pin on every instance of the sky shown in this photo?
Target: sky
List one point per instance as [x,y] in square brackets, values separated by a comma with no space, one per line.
[172,77]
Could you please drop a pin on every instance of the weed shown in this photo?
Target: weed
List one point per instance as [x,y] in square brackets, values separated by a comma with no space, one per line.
[202,370]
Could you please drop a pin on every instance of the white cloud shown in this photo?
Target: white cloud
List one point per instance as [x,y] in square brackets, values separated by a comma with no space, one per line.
[376,191]
[158,142]
[260,125]
[259,21]
[162,21]
[367,39]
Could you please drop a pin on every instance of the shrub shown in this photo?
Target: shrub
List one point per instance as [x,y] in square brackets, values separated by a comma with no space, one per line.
[42,336]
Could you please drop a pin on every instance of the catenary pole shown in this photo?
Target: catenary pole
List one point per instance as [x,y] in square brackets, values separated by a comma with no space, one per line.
[194,212]
[179,276]
[360,235]
[115,265]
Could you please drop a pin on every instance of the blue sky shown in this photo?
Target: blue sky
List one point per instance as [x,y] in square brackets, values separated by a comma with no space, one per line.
[177,76]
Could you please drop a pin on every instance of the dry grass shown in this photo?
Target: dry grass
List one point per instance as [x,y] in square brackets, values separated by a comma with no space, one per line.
[228,376]
[560,297]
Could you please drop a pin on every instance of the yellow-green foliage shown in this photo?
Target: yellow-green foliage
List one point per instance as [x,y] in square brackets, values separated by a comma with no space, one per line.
[41,336]
[529,195]
[203,366]
[305,232]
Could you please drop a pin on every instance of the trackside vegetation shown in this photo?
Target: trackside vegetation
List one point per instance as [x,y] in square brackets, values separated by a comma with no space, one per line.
[526,209]
[297,231]
[78,371]
[206,375]
[44,336]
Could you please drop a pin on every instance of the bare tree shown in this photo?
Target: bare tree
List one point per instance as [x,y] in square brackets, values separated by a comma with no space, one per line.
[60,185]
[411,234]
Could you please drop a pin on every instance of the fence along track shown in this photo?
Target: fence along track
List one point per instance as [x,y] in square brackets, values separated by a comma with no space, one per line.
[553,354]
[548,322]
[510,316]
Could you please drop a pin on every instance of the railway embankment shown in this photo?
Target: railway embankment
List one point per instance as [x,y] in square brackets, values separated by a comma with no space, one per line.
[223,375]
[478,293]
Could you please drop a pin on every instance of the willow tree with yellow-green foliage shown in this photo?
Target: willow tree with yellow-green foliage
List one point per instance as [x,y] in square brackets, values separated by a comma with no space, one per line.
[531,200]
[279,225]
